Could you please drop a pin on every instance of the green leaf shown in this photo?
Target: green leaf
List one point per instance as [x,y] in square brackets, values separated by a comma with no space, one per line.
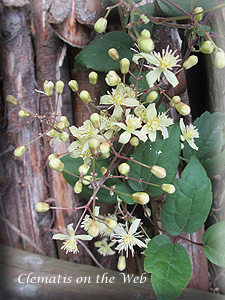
[171,11]
[214,242]
[170,267]
[214,165]
[187,209]
[163,153]
[95,55]
[202,33]
[125,189]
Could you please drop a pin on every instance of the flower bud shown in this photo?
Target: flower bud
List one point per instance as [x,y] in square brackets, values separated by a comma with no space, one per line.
[64,136]
[147,212]
[113,53]
[158,171]
[19,151]
[145,44]
[56,164]
[73,85]
[199,12]
[48,87]
[23,113]
[146,33]
[93,77]
[60,125]
[65,121]
[85,96]
[134,141]
[83,169]
[42,207]
[59,87]
[190,62]
[103,170]
[95,120]
[106,155]
[219,59]
[94,146]
[104,147]
[174,101]
[124,65]
[77,187]
[169,188]
[121,265]
[152,96]
[143,19]
[207,47]
[87,180]
[140,197]
[94,228]
[124,168]
[100,25]
[183,108]
[52,133]
[110,223]
[11,100]
[112,78]
[51,156]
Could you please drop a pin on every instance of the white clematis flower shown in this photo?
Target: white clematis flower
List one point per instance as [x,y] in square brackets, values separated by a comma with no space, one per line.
[189,132]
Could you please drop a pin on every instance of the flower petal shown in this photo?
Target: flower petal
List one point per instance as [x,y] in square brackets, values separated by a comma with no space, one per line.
[152,135]
[125,137]
[141,137]
[151,111]
[152,76]
[192,144]
[139,243]
[182,126]
[130,102]
[165,133]
[84,237]
[70,229]
[105,99]
[134,226]
[171,77]
[59,236]
[117,113]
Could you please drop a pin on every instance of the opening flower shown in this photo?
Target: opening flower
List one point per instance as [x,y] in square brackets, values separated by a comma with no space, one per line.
[105,249]
[154,123]
[70,244]
[189,132]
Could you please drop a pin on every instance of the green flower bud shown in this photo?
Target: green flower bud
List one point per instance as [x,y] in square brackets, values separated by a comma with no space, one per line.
[48,87]
[85,96]
[145,44]
[77,187]
[93,77]
[52,133]
[144,20]
[105,147]
[56,164]
[105,155]
[140,197]
[183,108]
[51,156]
[124,168]
[94,146]
[134,141]
[60,125]
[146,33]
[64,136]
[207,47]
[113,53]
[158,171]
[112,78]
[124,65]
[73,85]
[42,207]
[95,120]
[110,223]
[59,87]
[169,188]
[152,96]
[190,62]
[11,100]
[65,121]
[87,180]
[94,228]
[219,59]
[100,25]
[148,212]
[103,170]
[121,265]
[19,151]
[199,12]
[23,113]
[83,169]
[174,101]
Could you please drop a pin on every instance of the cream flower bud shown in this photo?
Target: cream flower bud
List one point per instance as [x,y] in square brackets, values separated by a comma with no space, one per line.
[124,168]
[152,96]
[147,212]
[11,100]
[134,141]
[64,136]
[207,47]
[124,65]
[199,12]
[73,85]
[113,53]
[85,96]
[53,133]
[140,197]
[146,33]
[60,125]
[56,164]
[51,156]
[19,151]
[87,180]
[174,101]
[219,59]
[159,172]
[94,146]
[83,169]
[144,19]
[145,44]
[110,223]
[95,120]
[190,62]
[65,121]
[93,77]
[112,78]
[78,187]
[183,108]
[59,87]
[104,147]
[103,170]
[23,113]
[100,25]
[121,265]
[48,87]
[94,228]
[42,207]
[169,188]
